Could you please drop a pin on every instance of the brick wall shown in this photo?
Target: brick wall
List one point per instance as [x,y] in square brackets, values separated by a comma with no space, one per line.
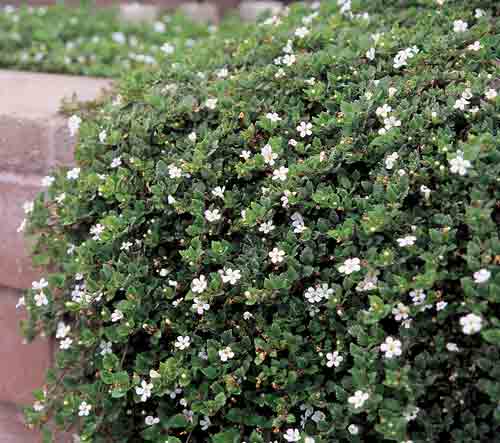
[33,139]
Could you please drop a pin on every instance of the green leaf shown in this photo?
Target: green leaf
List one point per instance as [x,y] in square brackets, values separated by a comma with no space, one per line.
[230,436]
[492,336]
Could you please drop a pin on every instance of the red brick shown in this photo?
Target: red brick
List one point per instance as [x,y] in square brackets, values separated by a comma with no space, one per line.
[23,365]
[200,12]
[33,136]
[62,143]
[15,269]
[38,96]
[13,428]
[23,145]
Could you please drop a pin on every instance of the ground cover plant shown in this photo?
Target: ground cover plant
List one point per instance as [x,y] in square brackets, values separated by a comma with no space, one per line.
[90,41]
[291,235]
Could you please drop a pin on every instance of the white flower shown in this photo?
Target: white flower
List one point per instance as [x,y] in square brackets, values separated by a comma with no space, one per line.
[41,299]
[174,171]
[298,223]
[471,324]
[117,161]
[245,154]
[459,166]
[150,420]
[277,255]
[334,359]
[247,315]
[370,54]
[60,197]
[400,312]
[192,136]
[211,103]
[304,129]
[117,315]
[167,48]
[491,94]
[478,13]
[73,174]
[20,302]
[289,59]
[226,354]
[292,435]
[102,136]
[411,413]
[391,348]
[126,246]
[22,226]
[461,104]
[28,207]
[418,296]
[409,240]
[200,306]
[84,409]
[426,191]
[62,330]
[301,32]
[392,91]
[171,200]
[452,347]
[199,285]
[309,440]
[353,429]
[183,342]
[38,406]
[481,276]
[159,27]
[205,423]
[358,399]
[74,124]
[390,160]
[401,58]
[105,347]
[280,174]
[96,231]
[350,265]
[369,283]
[267,227]
[293,142]
[222,73]
[47,181]
[268,154]
[39,285]
[65,344]
[391,122]
[460,26]
[219,192]
[273,116]
[174,393]
[441,305]
[230,276]
[118,37]
[476,46]
[212,215]
[144,391]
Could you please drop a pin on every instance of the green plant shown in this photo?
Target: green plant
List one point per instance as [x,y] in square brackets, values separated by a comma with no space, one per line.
[290,235]
[90,41]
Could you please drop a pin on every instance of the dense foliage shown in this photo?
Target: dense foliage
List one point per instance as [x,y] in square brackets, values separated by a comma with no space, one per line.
[90,41]
[290,235]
